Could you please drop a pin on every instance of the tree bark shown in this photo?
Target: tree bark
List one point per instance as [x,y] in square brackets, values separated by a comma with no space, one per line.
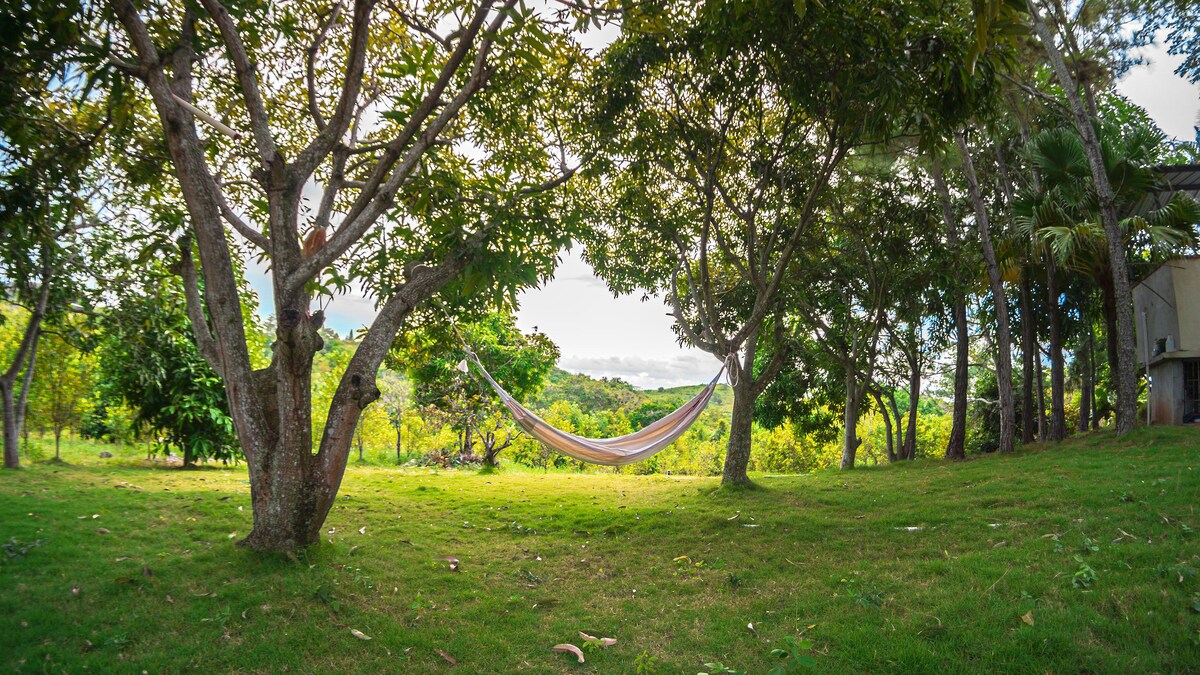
[1003,334]
[887,426]
[22,366]
[850,439]
[12,436]
[1125,376]
[956,444]
[1028,349]
[914,397]
[1058,423]
[1085,389]
[737,451]
[1043,427]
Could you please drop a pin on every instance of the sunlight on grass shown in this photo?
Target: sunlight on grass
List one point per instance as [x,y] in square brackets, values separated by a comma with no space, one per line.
[928,566]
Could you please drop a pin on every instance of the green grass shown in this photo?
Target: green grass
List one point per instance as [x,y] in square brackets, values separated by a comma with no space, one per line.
[833,557]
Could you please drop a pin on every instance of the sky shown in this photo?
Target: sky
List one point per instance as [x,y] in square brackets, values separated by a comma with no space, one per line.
[626,337]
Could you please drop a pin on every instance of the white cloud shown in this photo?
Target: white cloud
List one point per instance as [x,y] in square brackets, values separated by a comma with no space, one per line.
[646,373]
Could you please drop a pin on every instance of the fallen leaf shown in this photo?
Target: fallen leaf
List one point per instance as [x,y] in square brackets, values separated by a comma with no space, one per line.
[353,549]
[570,649]
[362,530]
[1027,617]
[170,600]
[603,642]
[449,659]
[453,562]
[146,572]
[102,530]
[750,626]
[123,558]
[75,590]
[359,634]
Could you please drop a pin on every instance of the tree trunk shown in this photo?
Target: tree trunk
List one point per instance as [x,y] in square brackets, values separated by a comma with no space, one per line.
[850,439]
[1108,308]
[1043,428]
[887,427]
[1085,389]
[57,438]
[1028,348]
[1093,364]
[956,445]
[737,452]
[1058,422]
[12,435]
[24,361]
[1125,376]
[1003,335]
[914,397]
[399,441]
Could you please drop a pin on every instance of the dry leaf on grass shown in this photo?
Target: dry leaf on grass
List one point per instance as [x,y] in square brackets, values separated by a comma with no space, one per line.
[102,530]
[570,649]
[453,562]
[449,659]
[1027,617]
[359,634]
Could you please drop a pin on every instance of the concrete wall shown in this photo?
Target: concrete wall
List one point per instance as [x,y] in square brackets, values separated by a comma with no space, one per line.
[1155,297]
[1166,398]
[1186,275]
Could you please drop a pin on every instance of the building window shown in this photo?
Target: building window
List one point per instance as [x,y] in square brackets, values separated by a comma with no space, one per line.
[1191,391]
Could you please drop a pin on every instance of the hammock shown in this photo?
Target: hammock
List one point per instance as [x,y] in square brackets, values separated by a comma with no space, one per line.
[609,451]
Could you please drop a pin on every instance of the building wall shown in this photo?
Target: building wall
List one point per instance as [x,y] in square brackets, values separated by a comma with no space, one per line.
[1186,275]
[1155,297]
[1166,397]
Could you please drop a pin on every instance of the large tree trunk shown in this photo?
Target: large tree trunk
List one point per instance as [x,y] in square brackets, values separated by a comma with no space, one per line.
[737,452]
[1003,335]
[1125,376]
[1058,423]
[1028,349]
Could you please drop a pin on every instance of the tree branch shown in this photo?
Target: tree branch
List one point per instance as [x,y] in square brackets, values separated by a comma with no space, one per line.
[329,135]
[206,344]
[260,124]
[310,71]
[377,195]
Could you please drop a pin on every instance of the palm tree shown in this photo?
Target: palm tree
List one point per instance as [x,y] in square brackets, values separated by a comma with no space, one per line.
[1063,212]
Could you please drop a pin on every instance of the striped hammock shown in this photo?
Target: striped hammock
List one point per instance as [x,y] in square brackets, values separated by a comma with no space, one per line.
[617,451]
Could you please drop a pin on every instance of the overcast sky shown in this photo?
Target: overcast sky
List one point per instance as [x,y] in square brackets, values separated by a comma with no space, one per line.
[624,337]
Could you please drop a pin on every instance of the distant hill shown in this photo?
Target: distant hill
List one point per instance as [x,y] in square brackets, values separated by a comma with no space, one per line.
[588,393]
[677,396]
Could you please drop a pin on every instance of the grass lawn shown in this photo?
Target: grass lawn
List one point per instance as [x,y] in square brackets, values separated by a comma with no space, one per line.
[1077,558]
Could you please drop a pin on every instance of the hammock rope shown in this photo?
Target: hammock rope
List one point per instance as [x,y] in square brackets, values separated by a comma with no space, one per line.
[617,451]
